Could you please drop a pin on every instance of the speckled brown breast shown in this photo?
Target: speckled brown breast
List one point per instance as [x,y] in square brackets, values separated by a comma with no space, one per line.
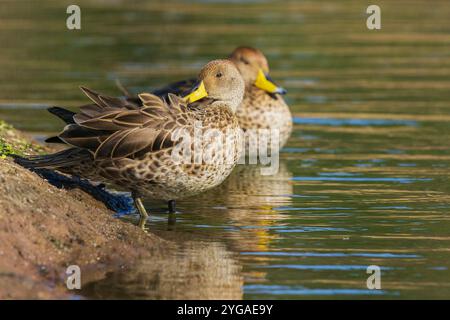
[260,110]
[156,175]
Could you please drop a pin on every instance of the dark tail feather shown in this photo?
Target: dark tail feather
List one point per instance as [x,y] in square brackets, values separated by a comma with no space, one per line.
[54,140]
[60,159]
[63,114]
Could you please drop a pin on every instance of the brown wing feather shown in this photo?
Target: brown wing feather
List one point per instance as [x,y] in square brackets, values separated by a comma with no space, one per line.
[131,118]
[94,96]
[91,110]
[125,143]
[112,102]
[112,129]
[106,124]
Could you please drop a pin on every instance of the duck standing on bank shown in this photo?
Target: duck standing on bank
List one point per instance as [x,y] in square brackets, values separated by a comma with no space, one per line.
[132,148]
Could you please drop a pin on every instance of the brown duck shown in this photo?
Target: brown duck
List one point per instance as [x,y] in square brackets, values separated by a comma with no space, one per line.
[132,148]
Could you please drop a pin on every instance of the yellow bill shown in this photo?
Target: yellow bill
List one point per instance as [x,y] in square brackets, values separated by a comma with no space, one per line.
[265,84]
[198,93]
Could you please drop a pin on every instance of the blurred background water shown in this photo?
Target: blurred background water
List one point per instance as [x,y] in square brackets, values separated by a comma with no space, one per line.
[364,179]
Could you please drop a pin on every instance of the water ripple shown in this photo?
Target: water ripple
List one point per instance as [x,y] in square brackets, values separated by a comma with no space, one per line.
[361,179]
[320,267]
[353,122]
[298,290]
[332,254]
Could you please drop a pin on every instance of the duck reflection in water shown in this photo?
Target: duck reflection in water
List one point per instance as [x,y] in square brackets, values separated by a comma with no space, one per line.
[250,201]
[191,270]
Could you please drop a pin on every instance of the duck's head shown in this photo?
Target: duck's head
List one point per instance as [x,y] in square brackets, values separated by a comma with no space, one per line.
[254,68]
[221,81]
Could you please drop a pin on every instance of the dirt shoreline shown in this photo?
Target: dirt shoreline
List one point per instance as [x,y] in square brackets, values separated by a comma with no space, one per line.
[44,229]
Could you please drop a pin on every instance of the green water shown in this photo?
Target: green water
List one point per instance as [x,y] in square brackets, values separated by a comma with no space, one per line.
[364,179]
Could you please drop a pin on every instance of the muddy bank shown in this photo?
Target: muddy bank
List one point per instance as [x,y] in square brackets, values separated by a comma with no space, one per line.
[44,229]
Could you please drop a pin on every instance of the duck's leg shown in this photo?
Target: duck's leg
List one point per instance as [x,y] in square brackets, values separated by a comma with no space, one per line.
[171,222]
[171,204]
[142,212]
[172,218]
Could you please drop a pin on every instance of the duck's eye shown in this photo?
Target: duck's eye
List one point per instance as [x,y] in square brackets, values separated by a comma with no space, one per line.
[245,61]
[219,74]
